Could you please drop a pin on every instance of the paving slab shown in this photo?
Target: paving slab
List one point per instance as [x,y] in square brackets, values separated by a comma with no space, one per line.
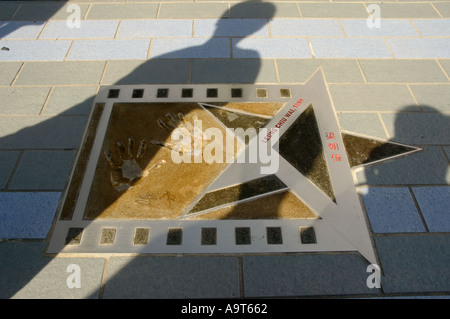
[434,203]
[423,48]
[306,28]
[349,48]
[27,215]
[23,100]
[414,263]
[375,97]
[336,71]
[433,27]
[388,28]
[432,98]
[156,28]
[147,72]
[61,73]
[362,123]
[87,30]
[26,274]
[43,11]
[7,10]
[428,167]
[407,10]
[264,10]
[70,100]
[123,11]
[172,277]
[392,210]
[21,29]
[333,10]
[305,275]
[190,48]
[231,27]
[41,132]
[193,10]
[109,49]
[8,160]
[271,48]
[402,71]
[443,8]
[9,72]
[233,71]
[34,50]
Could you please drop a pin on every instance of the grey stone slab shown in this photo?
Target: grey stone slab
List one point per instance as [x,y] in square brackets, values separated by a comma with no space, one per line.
[336,71]
[446,65]
[402,71]
[9,70]
[150,72]
[333,10]
[371,97]
[362,123]
[264,10]
[233,71]
[27,215]
[172,277]
[193,10]
[34,132]
[434,202]
[42,170]
[414,263]
[23,100]
[443,8]
[7,10]
[418,128]
[432,98]
[428,167]
[305,275]
[61,73]
[407,10]
[100,11]
[447,151]
[26,274]
[69,100]
[43,11]
[8,160]
[391,210]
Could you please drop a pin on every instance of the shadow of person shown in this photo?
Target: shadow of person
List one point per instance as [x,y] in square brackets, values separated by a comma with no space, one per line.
[216,66]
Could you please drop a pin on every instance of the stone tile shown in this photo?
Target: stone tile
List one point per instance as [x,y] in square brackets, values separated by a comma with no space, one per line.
[42,170]
[333,10]
[432,98]
[34,50]
[70,100]
[428,167]
[233,71]
[8,70]
[375,97]
[87,30]
[8,160]
[306,28]
[155,28]
[418,128]
[22,100]
[414,263]
[193,10]
[100,11]
[43,11]
[21,29]
[299,70]
[388,28]
[271,48]
[151,72]
[362,123]
[402,71]
[447,151]
[31,276]
[172,277]
[231,28]
[27,215]
[305,275]
[407,10]
[61,73]
[349,48]
[424,48]
[109,49]
[446,65]
[434,203]
[264,10]
[391,210]
[7,10]
[190,48]
[443,8]
[433,27]
[41,132]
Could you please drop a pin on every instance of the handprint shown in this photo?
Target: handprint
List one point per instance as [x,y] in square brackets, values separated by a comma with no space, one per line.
[127,172]
[194,135]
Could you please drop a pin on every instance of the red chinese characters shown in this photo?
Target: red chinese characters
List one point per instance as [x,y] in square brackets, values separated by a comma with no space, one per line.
[333,146]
